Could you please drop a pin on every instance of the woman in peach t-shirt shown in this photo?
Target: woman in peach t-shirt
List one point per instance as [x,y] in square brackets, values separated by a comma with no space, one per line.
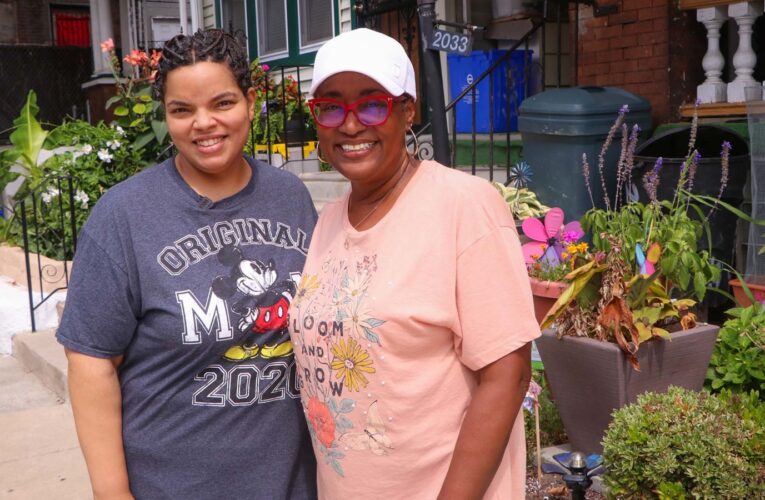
[413,321]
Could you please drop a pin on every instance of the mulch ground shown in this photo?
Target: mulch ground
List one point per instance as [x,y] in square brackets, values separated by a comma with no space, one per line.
[551,487]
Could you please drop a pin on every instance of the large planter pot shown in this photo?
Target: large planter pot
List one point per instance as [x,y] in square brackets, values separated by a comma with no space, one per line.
[545,294]
[591,379]
[755,284]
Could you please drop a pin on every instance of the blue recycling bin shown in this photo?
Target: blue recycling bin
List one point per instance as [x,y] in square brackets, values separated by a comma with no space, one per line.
[464,70]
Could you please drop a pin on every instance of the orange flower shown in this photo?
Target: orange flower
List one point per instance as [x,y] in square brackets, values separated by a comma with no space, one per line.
[322,422]
[136,57]
[107,45]
[156,55]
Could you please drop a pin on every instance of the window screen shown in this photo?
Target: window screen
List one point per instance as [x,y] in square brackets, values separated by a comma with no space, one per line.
[315,21]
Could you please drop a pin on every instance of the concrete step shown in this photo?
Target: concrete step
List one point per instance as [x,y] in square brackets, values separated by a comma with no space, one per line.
[43,356]
[324,186]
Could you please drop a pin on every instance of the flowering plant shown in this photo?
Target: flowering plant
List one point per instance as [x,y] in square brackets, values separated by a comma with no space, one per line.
[95,157]
[277,103]
[135,110]
[653,271]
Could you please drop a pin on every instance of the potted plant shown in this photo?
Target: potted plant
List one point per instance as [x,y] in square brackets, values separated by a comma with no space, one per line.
[612,323]
[282,114]
[551,252]
[521,201]
[738,360]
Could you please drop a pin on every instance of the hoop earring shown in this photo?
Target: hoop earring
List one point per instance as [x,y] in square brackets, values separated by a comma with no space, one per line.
[318,153]
[416,143]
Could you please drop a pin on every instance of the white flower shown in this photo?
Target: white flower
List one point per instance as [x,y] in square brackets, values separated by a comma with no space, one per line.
[82,197]
[105,156]
[87,149]
[120,130]
[49,194]
[113,144]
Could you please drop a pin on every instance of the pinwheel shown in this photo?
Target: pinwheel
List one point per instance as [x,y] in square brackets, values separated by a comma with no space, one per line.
[549,239]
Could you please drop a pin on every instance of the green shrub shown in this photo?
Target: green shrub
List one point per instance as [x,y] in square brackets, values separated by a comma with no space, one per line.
[684,444]
[738,361]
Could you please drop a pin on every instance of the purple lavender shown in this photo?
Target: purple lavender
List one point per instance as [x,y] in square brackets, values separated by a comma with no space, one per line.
[621,165]
[724,171]
[651,180]
[602,156]
[586,174]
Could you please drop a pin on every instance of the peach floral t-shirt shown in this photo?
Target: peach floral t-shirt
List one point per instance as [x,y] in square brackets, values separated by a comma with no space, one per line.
[390,325]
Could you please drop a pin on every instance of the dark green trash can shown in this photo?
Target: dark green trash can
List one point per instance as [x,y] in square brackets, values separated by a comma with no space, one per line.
[558,126]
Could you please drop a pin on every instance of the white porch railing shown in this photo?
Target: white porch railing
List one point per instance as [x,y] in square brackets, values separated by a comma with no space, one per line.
[713,14]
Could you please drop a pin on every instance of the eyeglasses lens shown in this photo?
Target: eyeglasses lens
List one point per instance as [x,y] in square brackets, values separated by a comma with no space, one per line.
[370,112]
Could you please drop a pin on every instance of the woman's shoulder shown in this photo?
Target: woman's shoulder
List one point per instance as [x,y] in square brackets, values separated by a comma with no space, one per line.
[455,184]
[137,192]
[268,174]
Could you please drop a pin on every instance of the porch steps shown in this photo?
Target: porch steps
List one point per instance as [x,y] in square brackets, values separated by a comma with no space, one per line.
[324,187]
[44,357]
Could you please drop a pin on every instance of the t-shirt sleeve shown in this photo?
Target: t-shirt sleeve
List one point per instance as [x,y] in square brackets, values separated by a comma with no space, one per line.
[494,303]
[100,315]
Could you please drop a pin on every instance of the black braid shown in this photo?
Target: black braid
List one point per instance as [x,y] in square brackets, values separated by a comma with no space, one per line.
[214,45]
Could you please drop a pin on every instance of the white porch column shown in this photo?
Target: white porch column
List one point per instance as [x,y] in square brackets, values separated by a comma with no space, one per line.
[713,89]
[184,16]
[744,60]
[100,30]
[196,15]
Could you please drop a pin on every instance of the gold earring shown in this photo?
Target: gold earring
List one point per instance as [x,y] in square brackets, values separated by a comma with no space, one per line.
[318,153]
[416,143]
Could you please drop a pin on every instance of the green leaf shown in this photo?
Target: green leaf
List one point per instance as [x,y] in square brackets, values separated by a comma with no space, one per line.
[28,136]
[139,108]
[145,97]
[112,100]
[136,122]
[142,140]
[699,285]
[121,111]
[159,127]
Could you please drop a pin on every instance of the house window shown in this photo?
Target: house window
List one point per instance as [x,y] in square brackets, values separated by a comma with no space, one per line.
[272,28]
[234,19]
[315,22]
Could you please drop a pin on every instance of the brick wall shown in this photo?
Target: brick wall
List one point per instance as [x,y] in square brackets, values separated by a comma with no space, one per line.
[648,47]
[627,49]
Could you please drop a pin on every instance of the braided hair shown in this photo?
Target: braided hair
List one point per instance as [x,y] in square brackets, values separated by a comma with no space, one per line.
[213,45]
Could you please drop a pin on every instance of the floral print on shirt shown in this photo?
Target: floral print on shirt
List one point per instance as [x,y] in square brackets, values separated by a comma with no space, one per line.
[335,335]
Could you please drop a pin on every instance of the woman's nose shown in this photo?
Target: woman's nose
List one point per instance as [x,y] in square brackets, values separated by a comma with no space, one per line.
[203,120]
[351,125]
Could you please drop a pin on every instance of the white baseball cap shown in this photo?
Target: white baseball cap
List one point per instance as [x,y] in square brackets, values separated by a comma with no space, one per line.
[370,53]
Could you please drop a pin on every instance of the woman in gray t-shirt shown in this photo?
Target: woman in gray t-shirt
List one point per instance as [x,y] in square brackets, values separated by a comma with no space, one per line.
[181,372]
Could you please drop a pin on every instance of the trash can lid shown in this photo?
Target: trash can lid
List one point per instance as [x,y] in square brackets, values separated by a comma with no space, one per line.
[581,110]
[672,144]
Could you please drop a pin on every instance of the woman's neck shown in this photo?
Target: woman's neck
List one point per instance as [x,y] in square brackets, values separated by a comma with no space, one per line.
[215,186]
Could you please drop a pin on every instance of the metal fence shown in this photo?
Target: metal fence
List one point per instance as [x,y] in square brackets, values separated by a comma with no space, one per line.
[54,73]
[48,225]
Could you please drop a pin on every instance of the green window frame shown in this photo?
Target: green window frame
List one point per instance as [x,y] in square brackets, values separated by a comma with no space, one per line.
[295,55]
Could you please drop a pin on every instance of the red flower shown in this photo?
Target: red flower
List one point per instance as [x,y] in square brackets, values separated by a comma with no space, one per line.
[322,422]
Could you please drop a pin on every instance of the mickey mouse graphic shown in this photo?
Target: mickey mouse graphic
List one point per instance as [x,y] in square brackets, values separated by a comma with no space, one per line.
[263,307]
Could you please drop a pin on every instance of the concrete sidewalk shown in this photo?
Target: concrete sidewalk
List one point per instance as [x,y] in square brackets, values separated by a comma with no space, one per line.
[39,454]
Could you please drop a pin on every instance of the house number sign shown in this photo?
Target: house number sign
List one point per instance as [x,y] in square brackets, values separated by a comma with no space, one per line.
[448,41]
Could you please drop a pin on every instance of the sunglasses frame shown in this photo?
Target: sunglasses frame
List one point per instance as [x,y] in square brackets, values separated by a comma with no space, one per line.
[351,107]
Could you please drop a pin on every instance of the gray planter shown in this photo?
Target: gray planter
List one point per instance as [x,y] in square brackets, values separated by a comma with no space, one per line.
[590,379]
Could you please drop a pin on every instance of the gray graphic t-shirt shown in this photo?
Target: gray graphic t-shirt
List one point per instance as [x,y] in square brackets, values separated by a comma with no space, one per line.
[195,295]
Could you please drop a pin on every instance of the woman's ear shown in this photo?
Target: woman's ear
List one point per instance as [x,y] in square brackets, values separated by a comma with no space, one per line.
[409,112]
[250,102]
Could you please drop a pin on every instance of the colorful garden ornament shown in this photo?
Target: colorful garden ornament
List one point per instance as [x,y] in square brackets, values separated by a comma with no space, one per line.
[549,239]
[647,262]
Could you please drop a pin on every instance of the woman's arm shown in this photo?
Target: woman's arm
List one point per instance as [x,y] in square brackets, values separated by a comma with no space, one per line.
[486,428]
[94,390]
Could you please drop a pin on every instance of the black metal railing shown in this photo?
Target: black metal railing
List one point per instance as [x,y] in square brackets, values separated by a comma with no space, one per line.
[48,226]
[293,127]
[511,104]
